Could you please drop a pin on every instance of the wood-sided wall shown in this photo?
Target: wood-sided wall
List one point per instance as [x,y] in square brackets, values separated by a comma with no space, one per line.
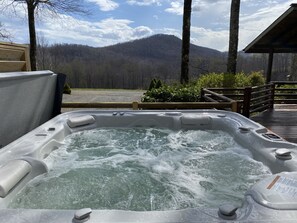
[14,57]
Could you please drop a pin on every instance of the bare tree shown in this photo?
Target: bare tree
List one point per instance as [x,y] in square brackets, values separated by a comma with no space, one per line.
[233,36]
[4,34]
[184,77]
[44,60]
[53,6]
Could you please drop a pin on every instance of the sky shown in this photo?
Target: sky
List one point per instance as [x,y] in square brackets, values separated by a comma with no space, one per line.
[116,21]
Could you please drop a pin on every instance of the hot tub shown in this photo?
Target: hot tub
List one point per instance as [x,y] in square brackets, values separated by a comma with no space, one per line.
[148,166]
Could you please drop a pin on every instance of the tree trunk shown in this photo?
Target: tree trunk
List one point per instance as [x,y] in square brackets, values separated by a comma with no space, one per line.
[32,33]
[233,36]
[184,78]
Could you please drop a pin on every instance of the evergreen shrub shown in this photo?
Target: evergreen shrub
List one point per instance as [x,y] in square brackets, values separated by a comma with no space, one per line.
[256,79]
[67,89]
[155,83]
[174,93]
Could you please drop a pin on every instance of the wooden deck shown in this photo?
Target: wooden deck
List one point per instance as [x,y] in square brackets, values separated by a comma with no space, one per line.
[281,120]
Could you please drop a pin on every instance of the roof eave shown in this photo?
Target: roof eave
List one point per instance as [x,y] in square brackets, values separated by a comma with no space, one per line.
[248,48]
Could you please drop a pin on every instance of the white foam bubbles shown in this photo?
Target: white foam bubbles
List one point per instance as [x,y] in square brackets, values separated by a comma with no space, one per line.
[143,169]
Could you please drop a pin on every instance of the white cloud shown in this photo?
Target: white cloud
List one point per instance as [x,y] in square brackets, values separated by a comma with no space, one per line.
[105,5]
[252,23]
[210,23]
[14,19]
[105,32]
[10,10]
[67,29]
[144,2]
[142,31]
[201,6]
[210,38]
[176,8]
[210,26]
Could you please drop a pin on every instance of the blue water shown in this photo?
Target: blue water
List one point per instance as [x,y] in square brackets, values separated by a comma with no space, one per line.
[143,169]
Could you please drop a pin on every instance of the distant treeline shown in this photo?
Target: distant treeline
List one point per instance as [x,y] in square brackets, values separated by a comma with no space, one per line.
[133,65]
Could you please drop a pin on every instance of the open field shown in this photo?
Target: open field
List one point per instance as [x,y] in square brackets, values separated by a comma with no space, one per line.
[104,95]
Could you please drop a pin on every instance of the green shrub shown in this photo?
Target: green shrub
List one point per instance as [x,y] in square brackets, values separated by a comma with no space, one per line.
[256,79]
[287,86]
[191,91]
[211,80]
[175,93]
[67,89]
[228,80]
[155,84]
[241,80]
[186,93]
[214,80]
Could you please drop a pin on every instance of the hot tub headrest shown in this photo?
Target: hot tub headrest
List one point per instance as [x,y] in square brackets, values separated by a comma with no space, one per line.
[196,120]
[11,174]
[74,122]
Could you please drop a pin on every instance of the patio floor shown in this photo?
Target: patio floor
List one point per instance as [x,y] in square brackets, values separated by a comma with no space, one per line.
[281,120]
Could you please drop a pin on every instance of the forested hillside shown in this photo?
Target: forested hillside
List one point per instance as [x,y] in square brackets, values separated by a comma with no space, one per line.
[134,64]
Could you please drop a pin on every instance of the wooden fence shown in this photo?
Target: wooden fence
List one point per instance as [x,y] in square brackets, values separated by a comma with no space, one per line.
[251,100]
[246,101]
[232,105]
[285,92]
[14,57]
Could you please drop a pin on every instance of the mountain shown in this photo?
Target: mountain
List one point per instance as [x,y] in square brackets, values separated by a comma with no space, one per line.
[132,64]
[159,47]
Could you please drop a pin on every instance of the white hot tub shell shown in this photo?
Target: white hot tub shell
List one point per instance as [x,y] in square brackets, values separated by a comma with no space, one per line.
[272,199]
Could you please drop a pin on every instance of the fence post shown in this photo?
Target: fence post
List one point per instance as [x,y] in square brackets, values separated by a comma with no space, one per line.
[202,95]
[234,106]
[135,105]
[247,101]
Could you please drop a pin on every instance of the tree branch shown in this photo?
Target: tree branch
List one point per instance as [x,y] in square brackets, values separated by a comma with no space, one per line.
[4,34]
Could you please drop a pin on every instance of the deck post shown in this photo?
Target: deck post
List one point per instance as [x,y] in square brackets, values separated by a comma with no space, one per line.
[202,95]
[234,106]
[272,95]
[247,101]
[135,105]
[269,68]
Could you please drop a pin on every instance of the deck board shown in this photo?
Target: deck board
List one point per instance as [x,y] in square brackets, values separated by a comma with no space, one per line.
[283,122]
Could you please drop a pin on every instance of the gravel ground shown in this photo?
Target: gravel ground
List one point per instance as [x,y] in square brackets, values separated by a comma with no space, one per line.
[81,95]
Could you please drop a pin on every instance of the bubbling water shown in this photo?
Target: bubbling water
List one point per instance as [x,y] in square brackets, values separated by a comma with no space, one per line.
[142,170]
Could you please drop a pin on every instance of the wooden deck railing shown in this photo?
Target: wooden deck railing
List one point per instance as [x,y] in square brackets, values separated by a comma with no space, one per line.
[156,105]
[255,99]
[249,100]
[14,57]
[245,101]
[285,92]
[261,99]
[221,95]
